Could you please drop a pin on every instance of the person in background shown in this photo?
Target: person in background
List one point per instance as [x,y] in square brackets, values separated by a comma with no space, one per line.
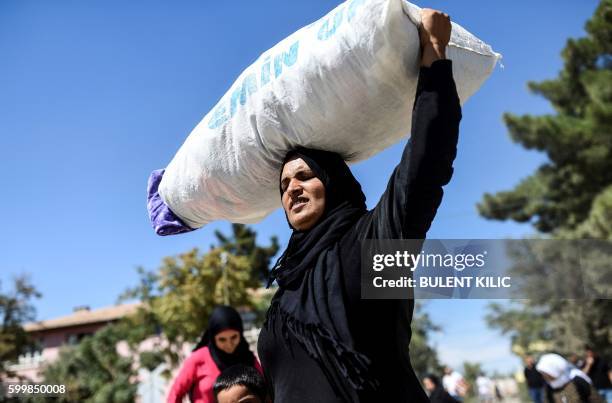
[563,387]
[574,371]
[535,381]
[498,394]
[576,361]
[436,391]
[240,384]
[222,346]
[454,383]
[485,388]
[600,373]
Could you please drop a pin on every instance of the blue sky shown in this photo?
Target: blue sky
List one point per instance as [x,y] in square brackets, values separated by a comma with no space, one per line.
[94,95]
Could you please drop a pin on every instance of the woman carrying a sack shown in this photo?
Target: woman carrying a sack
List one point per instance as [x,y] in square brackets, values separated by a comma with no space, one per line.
[321,342]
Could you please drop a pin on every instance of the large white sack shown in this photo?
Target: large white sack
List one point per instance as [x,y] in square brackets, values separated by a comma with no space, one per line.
[345,83]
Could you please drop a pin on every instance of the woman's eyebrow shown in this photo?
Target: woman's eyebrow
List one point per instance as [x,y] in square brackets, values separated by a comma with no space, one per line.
[290,174]
[298,171]
[302,170]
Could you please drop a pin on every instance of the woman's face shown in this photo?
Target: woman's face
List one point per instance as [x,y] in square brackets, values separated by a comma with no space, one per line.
[303,194]
[227,340]
[429,385]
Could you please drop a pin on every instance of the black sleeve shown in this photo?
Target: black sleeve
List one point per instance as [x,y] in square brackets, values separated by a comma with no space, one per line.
[583,388]
[414,192]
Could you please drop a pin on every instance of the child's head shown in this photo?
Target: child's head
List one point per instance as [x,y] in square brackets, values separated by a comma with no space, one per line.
[240,384]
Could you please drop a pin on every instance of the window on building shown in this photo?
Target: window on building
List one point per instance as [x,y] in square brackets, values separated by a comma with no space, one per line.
[75,338]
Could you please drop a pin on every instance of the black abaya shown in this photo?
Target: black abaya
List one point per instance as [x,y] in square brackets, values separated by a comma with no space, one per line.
[371,363]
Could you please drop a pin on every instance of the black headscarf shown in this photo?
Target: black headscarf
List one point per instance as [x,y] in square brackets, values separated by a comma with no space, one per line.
[223,318]
[310,302]
[344,203]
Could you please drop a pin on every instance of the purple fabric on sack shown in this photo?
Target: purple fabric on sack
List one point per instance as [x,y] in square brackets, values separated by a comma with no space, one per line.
[164,221]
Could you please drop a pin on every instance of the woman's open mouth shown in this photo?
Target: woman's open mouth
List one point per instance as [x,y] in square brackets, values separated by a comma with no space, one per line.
[298,204]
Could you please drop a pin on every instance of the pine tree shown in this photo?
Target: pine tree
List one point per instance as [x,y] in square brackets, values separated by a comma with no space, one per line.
[242,242]
[570,195]
[577,140]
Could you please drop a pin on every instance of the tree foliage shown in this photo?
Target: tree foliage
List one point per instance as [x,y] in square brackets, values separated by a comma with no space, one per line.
[471,371]
[179,296]
[570,195]
[94,371]
[176,301]
[15,309]
[423,356]
[243,242]
[577,139]
[526,328]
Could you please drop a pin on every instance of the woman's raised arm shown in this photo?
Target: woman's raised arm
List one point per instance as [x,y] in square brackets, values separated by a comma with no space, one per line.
[409,204]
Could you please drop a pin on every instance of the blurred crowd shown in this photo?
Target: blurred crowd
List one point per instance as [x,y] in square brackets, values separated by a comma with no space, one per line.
[551,378]
[579,378]
[453,388]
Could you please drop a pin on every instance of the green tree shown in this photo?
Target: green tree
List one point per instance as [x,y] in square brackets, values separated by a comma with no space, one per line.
[577,139]
[243,242]
[527,328]
[94,371]
[424,358]
[471,371]
[179,297]
[570,195]
[15,309]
